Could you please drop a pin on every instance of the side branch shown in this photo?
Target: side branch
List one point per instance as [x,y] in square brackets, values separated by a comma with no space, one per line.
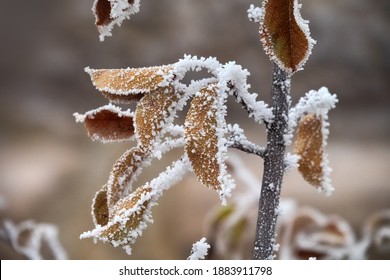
[273,167]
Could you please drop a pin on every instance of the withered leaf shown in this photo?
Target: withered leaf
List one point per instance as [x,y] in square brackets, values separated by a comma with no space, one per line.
[122,174]
[128,85]
[152,113]
[128,214]
[309,146]
[285,36]
[201,139]
[100,208]
[109,124]
[110,12]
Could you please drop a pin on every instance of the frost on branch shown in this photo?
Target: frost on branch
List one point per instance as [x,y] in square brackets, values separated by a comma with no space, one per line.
[110,12]
[29,238]
[119,211]
[199,250]
[284,34]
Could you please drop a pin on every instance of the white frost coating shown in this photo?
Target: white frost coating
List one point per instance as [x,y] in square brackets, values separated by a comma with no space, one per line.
[163,182]
[318,103]
[39,234]
[291,162]
[231,78]
[199,250]
[80,118]
[131,73]
[120,10]
[233,74]
[254,13]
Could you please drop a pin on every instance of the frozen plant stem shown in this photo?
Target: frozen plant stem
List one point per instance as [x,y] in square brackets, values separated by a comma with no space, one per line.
[273,167]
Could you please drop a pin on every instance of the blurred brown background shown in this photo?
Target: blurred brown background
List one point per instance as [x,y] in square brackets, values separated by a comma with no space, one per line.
[50,170]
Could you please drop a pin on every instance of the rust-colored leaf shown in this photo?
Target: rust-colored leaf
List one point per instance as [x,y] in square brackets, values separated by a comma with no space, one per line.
[201,137]
[102,12]
[284,34]
[100,207]
[123,85]
[128,214]
[122,174]
[152,113]
[308,146]
[109,124]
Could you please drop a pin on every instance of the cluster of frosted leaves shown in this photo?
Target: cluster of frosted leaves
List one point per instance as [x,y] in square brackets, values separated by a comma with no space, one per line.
[310,234]
[119,212]
[306,233]
[109,13]
[284,34]
[310,116]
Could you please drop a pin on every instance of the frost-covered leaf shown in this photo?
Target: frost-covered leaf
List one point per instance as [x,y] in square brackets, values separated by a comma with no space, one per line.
[130,84]
[154,111]
[204,144]
[111,12]
[108,124]
[122,175]
[100,213]
[131,214]
[127,216]
[284,34]
[309,147]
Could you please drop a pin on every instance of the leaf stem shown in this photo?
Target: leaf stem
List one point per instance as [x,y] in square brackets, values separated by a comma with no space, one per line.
[273,167]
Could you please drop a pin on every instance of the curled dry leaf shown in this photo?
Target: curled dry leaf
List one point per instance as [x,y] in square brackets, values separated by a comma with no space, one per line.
[284,34]
[109,124]
[122,175]
[128,85]
[309,146]
[201,137]
[100,213]
[127,216]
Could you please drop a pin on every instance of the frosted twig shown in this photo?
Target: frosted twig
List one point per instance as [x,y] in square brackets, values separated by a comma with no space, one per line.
[199,250]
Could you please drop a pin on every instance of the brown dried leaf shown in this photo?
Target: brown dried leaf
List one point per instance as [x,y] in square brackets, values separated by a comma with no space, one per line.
[102,12]
[123,85]
[122,174]
[201,137]
[285,36]
[109,125]
[100,208]
[309,146]
[131,211]
[152,113]
[102,9]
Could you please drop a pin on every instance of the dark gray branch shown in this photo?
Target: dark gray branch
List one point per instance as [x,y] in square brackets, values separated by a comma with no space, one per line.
[273,167]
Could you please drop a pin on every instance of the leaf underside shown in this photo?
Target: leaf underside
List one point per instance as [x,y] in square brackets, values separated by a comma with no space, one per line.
[107,125]
[309,146]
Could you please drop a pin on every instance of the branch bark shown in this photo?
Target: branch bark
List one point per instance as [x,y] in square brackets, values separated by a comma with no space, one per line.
[273,167]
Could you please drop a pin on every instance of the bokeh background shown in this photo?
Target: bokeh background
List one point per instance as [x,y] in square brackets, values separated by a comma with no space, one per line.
[50,169]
